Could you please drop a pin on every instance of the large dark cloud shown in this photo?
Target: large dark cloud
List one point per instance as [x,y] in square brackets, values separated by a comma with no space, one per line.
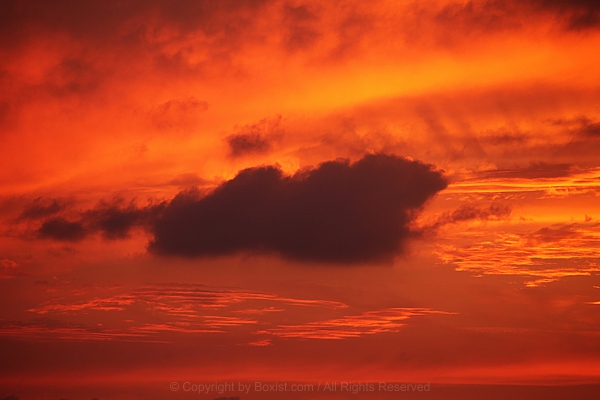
[338,212]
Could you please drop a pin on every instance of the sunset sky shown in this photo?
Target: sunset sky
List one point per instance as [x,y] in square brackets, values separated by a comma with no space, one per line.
[299,191]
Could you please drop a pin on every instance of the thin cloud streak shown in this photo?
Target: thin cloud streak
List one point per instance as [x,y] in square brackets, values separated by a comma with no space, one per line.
[353,326]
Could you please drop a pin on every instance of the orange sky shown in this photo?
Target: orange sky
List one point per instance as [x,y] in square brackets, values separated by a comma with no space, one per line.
[265,190]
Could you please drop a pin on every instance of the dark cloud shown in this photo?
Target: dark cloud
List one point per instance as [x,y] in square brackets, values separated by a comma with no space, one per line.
[114,220]
[60,228]
[247,143]
[470,212]
[584,144]
[580,128]
[256,138]
[558,232]
[591,129]
[338,212]
[42,208]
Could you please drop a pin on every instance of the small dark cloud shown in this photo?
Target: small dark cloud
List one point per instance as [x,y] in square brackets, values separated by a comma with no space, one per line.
[338,212]
[587,128]
[114,220]
[584,143]
[256,138]
[59,228]
[42,208]
[554,233]
[494,212]
[592,130]
[558,232]
[247,143]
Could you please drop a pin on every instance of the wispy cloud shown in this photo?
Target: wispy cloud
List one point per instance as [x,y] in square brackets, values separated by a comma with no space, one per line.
[352,326]
[544,255]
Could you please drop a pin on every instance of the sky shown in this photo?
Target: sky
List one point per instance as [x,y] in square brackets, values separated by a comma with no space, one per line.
[257,191]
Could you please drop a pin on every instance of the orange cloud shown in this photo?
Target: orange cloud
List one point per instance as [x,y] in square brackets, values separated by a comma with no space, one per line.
[368,323]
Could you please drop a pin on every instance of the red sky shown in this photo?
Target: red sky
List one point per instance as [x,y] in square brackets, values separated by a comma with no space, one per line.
[299,191]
